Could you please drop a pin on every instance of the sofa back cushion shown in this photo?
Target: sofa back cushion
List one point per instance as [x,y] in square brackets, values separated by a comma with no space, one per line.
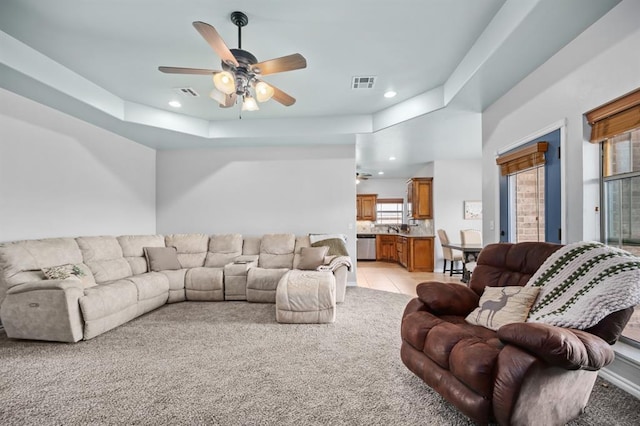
[507,264]
[276,251]
[192,248]
[223,249]
[103,255]
[23,261]
[133,250]
[251,246]
[301,242]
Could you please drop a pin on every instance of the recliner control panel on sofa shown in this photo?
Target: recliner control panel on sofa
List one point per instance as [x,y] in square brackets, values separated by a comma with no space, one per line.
[68,289]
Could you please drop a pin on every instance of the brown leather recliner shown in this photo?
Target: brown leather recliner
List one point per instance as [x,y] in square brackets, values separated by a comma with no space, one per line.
[523,374]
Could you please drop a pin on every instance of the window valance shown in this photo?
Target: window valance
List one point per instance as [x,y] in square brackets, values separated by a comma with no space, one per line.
[618,116]
[522,159]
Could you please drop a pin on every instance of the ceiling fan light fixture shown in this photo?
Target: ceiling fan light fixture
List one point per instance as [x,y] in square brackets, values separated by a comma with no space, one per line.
[264,92]
[249,104]
[224,82]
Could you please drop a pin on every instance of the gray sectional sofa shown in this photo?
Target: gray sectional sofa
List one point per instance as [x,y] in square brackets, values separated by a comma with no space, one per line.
[113,284]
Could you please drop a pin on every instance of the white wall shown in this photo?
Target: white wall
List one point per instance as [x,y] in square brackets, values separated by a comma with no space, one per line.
[60,176]
[255,191]
[601,64]
[385,188]
[453,183]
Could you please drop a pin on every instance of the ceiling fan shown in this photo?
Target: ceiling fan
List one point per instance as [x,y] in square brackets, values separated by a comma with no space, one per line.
[241,70]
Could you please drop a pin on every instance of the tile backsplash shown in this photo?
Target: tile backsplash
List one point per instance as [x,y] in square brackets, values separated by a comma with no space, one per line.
[416,227]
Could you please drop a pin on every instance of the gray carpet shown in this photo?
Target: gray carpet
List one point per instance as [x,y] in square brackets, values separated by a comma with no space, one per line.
[230,363]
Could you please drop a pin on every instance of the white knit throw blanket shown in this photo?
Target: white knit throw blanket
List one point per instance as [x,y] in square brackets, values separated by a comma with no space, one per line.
[584,282]
[335,263]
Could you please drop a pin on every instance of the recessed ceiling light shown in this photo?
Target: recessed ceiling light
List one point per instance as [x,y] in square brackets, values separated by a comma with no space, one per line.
[380,173]
[389,94]
[392,158]
[175,104]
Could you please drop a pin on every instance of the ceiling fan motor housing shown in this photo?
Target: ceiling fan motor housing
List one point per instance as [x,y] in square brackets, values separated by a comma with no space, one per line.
[243,73]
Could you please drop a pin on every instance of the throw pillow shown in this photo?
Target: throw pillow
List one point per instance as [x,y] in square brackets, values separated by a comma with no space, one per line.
[312,257]
[162,258]
[499,306]
[63,272]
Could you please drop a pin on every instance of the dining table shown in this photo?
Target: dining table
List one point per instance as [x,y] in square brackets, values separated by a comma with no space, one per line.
[469,254]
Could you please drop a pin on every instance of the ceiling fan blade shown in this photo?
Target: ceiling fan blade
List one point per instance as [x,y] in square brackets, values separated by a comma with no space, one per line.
[285,63]
[230,100]
[178,70]
[282,97]
[215,41]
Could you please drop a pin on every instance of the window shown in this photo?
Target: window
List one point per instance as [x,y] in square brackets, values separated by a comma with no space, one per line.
[389,211]
[616,126]
[621,206]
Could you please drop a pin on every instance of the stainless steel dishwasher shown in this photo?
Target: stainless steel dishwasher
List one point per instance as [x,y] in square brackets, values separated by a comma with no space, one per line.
[366,246]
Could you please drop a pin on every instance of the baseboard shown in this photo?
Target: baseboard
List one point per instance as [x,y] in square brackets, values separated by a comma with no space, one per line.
[623,372]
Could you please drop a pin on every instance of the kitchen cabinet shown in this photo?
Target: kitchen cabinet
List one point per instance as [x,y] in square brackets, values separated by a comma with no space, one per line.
[419,198]
[366,206]
[420,254]
[401,249]
[386,248]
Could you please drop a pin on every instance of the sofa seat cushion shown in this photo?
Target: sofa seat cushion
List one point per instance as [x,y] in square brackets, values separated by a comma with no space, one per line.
[150,285]
[204,284]
[262,284]
[176,285]
[469,352]
[107,306]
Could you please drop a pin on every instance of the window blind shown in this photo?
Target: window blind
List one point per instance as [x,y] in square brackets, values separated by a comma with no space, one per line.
[618,116]
[522,159]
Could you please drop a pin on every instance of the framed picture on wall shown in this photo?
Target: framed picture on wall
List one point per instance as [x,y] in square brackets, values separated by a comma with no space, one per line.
[473,209]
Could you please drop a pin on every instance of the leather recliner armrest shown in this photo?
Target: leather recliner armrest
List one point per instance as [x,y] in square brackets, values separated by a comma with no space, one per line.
[567,348]
[447,299]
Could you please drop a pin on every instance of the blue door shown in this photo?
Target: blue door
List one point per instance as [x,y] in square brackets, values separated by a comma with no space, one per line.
[550,186]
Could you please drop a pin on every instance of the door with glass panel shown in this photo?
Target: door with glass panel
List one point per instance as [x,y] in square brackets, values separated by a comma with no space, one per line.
[530,192]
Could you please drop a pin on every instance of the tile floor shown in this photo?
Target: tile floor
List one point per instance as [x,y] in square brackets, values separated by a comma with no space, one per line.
[394,278]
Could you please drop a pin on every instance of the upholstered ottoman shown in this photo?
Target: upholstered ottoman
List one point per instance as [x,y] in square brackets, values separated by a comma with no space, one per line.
[306,297]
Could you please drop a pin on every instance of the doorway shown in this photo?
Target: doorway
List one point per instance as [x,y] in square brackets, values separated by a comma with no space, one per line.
[530,194]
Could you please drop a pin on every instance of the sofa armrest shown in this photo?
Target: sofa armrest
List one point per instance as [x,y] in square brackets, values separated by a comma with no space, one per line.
[562,347]
[447,299]
[46,285]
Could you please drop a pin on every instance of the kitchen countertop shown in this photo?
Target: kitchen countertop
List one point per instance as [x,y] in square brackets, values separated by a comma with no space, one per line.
[400,234]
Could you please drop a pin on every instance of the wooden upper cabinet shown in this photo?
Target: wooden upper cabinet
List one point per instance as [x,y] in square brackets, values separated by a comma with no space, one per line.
[419,198]
[366,206]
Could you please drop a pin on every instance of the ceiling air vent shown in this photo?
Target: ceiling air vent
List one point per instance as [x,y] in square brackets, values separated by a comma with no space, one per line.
[186,91]
[363,82]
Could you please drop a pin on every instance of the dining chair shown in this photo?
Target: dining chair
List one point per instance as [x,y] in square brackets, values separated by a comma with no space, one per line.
[449,254]
[470,236]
